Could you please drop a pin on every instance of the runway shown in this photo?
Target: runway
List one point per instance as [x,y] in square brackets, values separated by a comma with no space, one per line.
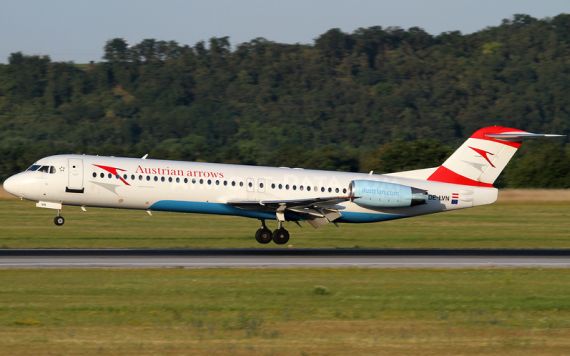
[282,258]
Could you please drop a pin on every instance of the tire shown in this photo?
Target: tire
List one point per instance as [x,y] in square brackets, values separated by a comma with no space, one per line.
[280,236]
[263,236]
[59,220]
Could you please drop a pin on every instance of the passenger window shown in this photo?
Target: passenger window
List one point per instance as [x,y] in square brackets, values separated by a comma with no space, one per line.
[155,178]
[162,179]
[148,178]
[294,187]
[94,175]
[308,188]
[336,190]
[177,180]
[185,180]
[233,183]
[323,189]
[201,181]
[170,179]
[110,175]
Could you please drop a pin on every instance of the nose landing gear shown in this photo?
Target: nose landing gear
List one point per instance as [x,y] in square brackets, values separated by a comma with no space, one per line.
[280,236]
[59,220]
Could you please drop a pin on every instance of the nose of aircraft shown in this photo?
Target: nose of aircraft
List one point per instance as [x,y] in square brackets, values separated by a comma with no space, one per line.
[11,185]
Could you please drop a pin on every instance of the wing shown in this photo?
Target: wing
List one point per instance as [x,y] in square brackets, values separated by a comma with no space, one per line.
[316,211]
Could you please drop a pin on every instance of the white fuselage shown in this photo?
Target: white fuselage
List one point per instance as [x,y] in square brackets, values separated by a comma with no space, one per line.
[195,187]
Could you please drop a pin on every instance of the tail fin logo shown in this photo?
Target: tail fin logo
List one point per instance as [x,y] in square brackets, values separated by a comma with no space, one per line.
[484,154]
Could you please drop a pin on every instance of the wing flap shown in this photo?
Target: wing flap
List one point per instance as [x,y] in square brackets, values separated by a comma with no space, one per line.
[317,211]
[299,203]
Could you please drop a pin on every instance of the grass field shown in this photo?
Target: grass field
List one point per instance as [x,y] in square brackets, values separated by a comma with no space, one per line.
[521,220]
[285,311]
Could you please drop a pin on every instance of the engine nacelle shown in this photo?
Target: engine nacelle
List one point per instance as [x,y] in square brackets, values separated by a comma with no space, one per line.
[374,194]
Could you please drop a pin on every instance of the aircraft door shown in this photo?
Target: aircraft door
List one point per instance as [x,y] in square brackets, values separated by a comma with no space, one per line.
[75,176]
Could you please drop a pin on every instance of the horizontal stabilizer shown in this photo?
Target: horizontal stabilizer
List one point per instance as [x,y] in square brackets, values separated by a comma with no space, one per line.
[519,136]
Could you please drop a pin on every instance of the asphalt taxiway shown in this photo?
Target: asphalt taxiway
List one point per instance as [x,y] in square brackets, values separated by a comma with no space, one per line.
[283,258]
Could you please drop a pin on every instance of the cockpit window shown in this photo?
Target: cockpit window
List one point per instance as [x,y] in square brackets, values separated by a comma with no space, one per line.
[46,169]
[33,167]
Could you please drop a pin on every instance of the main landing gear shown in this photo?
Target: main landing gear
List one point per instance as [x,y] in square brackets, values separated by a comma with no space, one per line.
[280,236]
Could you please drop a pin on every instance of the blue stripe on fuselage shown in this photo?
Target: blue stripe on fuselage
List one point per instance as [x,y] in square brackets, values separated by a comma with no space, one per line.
[353,217]
[225,209]
[208,208]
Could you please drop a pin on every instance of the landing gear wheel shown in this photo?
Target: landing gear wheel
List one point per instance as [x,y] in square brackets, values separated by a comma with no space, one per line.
[59,220]
[263,236]
[280,236]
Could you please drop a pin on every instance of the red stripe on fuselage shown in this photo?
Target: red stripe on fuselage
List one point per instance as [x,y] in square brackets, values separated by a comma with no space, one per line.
[446,175]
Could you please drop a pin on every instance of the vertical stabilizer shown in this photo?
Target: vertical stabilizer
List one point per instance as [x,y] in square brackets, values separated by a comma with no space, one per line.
[480,160]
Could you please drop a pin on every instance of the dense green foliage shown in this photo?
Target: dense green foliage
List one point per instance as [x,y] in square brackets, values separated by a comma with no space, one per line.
[379,98]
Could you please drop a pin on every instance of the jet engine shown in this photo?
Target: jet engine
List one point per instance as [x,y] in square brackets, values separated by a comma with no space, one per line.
[374,194]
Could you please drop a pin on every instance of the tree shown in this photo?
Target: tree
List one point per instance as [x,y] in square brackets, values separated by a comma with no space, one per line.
[116,50]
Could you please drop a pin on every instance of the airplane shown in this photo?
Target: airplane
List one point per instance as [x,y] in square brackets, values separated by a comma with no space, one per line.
[283,194]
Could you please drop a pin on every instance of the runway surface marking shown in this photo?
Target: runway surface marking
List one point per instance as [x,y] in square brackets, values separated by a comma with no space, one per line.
[283,259]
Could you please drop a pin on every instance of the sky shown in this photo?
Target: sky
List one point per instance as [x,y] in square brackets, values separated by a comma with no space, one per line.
[76,30]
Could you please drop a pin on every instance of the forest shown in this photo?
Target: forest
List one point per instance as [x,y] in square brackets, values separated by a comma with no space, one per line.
[382,99]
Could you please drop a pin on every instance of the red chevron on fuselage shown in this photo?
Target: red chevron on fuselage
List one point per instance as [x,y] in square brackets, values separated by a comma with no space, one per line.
[113,171]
